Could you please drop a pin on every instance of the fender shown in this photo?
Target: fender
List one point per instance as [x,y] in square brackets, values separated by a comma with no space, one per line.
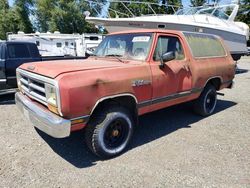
[111,97]
[221,80]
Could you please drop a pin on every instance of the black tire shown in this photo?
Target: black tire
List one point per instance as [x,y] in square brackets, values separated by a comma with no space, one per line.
[206,103]
[109,131]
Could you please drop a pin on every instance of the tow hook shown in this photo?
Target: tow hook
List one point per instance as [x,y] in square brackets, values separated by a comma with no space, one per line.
[221,94]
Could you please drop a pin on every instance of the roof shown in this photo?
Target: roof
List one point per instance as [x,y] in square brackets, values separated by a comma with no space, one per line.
[166,31]
[18,42]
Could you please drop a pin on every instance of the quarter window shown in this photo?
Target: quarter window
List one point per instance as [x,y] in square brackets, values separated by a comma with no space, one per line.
[205,45]
[168,44]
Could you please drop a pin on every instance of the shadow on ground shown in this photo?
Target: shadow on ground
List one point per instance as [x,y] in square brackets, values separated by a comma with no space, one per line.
[151,127]
[7,99]
[241,71]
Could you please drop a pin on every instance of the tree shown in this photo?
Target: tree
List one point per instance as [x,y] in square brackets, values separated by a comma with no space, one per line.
[244,13]
[196,3]
[22,11]
[14,19]
[4,9]
[4,5]
[8,19]
[43,13]
[137,9]
[65,16]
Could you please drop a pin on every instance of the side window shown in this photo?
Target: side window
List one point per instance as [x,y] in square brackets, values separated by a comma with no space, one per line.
[18,51]
[34,51]
[58,44]
[1,51]
[204,45]
[167,44]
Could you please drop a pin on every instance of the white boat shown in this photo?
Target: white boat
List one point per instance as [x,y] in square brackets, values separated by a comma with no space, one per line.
[218,20]
[58,44]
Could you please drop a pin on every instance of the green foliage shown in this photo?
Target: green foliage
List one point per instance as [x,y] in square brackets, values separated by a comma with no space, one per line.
[196,3]
[244,12]
[135,9]
[65,16]
[22,12]
[4,5]
[43,13]
[16,18]
[9,22]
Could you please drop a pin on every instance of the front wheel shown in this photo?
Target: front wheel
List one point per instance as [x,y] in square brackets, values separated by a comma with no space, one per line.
[109,132]
[206,103]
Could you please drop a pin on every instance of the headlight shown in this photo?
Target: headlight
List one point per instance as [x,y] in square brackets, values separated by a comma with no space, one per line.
[51,94]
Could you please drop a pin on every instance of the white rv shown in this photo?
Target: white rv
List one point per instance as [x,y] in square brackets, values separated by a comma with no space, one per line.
[58,44]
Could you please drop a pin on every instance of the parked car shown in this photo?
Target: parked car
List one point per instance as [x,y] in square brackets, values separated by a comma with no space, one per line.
[130,74]
[12,55]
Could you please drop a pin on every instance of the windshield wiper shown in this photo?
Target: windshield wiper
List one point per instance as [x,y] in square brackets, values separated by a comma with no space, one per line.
[116,56]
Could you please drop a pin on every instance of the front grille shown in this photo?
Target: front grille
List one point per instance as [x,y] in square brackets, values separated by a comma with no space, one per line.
[33,88]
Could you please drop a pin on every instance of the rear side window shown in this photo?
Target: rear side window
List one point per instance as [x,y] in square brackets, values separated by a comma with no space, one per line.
[205,45]
[18,51]
[1,51]
[59,45]
[34,50]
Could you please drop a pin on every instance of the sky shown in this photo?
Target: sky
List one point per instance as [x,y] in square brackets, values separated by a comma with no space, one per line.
[11,2]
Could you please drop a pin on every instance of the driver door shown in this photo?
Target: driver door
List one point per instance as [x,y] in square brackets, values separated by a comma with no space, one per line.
[174,79]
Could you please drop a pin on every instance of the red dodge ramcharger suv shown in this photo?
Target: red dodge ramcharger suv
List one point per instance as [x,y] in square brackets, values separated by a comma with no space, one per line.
[130,74]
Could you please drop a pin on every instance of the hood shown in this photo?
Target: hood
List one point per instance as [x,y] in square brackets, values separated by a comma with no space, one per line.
[53,69]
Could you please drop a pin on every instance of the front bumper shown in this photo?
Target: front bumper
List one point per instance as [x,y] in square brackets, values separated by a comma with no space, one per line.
[43,119]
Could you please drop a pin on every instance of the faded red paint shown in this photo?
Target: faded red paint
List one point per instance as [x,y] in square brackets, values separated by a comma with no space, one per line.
[83,82]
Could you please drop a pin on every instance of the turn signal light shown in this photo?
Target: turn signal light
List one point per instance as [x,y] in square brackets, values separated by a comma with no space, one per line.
[77,121]
[53,109]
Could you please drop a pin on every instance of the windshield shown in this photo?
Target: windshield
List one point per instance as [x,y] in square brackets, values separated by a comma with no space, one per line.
[133,46]
[222,12]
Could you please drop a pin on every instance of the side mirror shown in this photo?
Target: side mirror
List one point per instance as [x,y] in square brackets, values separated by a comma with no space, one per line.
[167,57]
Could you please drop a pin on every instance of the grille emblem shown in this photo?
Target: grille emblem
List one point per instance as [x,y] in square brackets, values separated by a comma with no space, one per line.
[31,67]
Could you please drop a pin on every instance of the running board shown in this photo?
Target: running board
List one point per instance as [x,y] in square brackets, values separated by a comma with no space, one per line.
[7,91]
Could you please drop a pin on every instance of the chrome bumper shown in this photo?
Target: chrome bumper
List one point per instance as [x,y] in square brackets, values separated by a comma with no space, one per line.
[43,119]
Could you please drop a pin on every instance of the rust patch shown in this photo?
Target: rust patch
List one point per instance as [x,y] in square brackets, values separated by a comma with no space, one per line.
[99,82]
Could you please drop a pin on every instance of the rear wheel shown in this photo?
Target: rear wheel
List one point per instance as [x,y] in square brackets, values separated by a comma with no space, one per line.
[109,131]
[206,103]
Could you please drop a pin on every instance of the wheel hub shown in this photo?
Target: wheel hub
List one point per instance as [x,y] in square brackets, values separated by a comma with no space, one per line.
[115,133]
[208,100]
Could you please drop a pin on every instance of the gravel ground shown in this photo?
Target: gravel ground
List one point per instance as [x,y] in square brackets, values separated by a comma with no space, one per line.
[171,148]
